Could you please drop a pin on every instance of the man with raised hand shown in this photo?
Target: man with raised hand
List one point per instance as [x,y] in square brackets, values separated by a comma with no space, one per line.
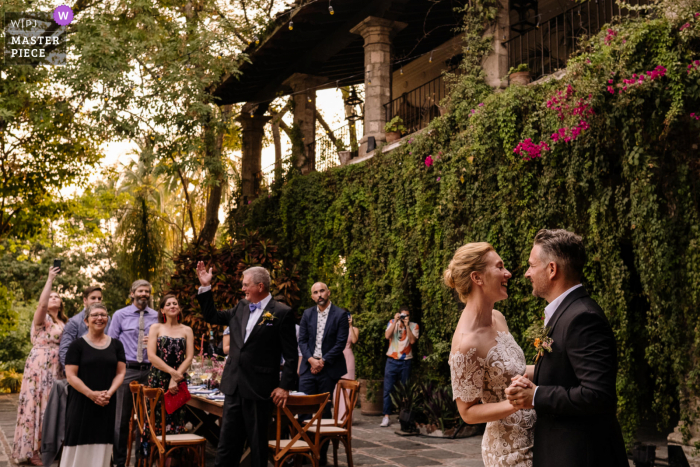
[262,331]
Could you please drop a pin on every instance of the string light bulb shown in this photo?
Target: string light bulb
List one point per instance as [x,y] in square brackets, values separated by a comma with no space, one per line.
[257,40]
[251,114]
[291,25]
[401,70]
[330,8]
[430,60]
[308,99]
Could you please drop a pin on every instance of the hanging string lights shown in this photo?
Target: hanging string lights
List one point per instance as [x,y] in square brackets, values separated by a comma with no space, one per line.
[291,25]
[330,8]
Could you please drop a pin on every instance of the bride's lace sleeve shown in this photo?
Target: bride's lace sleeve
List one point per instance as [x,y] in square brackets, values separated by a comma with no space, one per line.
[467,375]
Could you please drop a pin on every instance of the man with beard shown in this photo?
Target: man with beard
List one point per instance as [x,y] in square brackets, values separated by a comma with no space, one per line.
[130,326]
[323,335]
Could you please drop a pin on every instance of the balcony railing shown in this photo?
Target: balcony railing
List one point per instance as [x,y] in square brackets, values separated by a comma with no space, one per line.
[546,48]
[341,139]
[418,106]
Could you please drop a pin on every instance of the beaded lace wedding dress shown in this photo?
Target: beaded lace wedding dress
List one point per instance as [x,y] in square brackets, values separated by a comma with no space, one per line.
[507,442]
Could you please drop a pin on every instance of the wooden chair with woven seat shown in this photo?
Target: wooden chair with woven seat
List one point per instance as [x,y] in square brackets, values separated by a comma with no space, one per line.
[337,420]
[136,422]
[301,443]
[341,430]
[167,444]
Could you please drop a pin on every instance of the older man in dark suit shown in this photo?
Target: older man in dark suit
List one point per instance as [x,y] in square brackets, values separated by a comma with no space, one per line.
[323,335]
[262,331]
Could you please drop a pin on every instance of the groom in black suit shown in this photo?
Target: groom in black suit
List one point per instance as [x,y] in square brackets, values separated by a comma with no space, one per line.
[262,331]
[574,385]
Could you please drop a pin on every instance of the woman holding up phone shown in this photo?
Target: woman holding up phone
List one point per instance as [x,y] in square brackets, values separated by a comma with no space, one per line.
[40,371]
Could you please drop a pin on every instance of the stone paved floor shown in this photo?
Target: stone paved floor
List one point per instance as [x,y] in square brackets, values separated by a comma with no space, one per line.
[372,444]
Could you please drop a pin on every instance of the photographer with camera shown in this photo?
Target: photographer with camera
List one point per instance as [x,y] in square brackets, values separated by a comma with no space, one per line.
[402,334]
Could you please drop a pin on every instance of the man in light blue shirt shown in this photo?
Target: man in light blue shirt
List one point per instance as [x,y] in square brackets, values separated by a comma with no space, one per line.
[130,326]
[76,327]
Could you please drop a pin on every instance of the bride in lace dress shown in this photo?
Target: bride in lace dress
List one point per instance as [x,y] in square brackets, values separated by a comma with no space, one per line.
[485,357]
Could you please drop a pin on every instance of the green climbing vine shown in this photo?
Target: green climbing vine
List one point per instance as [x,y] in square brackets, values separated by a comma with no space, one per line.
[498,167]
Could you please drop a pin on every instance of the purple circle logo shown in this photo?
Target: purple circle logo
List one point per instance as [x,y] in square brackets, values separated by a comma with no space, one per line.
[63,15]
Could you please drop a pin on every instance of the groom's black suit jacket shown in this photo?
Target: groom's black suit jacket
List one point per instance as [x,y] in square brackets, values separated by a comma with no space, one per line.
[576,402]
[253,366]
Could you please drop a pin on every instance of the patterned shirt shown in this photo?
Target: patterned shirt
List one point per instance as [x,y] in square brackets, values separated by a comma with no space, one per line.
[320,328]
[400,348]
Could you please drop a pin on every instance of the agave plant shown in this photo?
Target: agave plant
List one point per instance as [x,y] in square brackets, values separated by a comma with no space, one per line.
[439,407]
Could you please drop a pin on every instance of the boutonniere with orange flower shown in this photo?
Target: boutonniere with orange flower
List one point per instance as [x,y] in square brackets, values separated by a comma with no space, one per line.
[540,339]
[267,317]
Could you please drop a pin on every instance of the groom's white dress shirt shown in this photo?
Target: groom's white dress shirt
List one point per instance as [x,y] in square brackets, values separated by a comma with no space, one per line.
[552,307]
[254,316]
[549,312]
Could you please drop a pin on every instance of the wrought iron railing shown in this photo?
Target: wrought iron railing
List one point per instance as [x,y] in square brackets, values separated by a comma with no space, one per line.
[268,174]
[546,48]
[327,147]
[418,106]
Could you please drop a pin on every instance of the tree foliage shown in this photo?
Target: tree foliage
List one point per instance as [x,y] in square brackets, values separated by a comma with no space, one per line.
[235,256]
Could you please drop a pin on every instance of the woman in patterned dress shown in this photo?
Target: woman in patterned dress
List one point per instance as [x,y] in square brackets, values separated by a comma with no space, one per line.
[485,357]
[170,350]
[40,371]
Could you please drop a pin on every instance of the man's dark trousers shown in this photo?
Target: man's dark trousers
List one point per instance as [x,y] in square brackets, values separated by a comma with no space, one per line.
[319,384]
[242,420]
[124,405]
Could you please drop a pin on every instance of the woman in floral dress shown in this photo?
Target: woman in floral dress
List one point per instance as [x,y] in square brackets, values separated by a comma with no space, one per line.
[170,350]
[40,371]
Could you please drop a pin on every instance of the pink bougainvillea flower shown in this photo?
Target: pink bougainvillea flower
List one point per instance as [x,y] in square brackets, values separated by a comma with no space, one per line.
[611,90]
[438,179]
[685,26]
[429,161]
[696,15]
[610,81]
[481,104]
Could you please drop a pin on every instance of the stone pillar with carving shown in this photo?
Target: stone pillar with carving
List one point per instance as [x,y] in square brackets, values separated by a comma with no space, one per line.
[252,132]
[496,64]
[304,95]
[377,33]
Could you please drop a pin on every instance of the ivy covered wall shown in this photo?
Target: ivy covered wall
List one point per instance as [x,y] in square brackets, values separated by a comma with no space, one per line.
[602,152]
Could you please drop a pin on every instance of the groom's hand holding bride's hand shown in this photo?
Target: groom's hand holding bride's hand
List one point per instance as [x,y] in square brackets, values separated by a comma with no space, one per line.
[520,392]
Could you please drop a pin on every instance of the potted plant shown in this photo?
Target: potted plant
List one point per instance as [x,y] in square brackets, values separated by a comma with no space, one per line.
[393,129]
[520,74]
[370,361]
[407,400]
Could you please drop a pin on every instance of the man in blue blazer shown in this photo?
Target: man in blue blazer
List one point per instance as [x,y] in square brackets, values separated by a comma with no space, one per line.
[323,335]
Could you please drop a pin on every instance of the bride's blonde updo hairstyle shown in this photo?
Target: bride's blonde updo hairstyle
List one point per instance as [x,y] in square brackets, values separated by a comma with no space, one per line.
[467,259]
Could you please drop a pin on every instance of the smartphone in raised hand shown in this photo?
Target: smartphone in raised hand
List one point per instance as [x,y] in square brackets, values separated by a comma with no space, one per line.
[57,264]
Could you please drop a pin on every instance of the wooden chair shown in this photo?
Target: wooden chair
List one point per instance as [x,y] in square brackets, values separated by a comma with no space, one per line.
[301,443]
[337,420]
[166,445]
[341,430]
[137,415]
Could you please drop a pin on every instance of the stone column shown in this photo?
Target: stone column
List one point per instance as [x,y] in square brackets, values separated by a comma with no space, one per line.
[253,130]
[377,33]
[303,86]
[496,64]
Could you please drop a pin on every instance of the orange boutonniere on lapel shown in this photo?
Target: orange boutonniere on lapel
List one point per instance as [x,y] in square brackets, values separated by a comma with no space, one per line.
[540,339]
[267,317]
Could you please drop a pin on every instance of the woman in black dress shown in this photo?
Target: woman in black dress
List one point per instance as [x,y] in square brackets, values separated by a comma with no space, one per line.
[95,368]
[170,350]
